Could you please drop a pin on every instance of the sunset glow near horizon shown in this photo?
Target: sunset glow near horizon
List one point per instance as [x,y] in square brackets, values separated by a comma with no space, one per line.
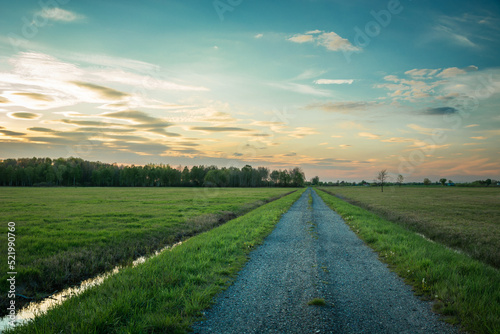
[341,89]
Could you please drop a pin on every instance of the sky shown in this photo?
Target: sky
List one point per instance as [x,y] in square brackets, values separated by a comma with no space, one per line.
[342,89]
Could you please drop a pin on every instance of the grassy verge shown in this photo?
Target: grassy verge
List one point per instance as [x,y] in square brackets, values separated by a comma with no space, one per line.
[167,293]
[66,235]
[465,290]
[461,218]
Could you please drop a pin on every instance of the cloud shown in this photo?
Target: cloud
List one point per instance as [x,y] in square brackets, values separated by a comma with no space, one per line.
[40,81]
[342,107]
[330,40]
[86,123]
[24,115]
[466,30]
[35,96]
[11,133]
[259,36]
[333,82]
[142,121]
[148,148]
[472,125]
[59,14]
[451,72]
[397,140]
[421,73]
[301,38]
[308,74]
[450,35]
[38,129]
[152,80]
[454,71]
[405,89]
[135,120]
[301,89]
[301,132]
[425,131]
[218,129]
[479,138]
[369,135]
[440,111]
[103,92]
[135,116]
[334,42]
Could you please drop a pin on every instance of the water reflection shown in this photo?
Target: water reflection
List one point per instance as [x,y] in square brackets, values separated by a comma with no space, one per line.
[38,308]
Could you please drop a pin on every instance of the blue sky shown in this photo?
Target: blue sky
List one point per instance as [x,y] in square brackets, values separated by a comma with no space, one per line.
[342,89]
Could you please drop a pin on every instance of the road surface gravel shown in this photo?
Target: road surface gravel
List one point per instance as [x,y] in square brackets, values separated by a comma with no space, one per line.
[310,254]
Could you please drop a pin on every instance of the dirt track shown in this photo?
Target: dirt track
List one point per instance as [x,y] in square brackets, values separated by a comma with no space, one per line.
[313,254]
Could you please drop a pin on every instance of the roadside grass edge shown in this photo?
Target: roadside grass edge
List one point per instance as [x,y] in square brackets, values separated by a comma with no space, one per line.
[169,292]
[69,268]
[464,291]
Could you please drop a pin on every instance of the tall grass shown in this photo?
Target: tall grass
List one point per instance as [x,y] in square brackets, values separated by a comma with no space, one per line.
[167,293]
[465,290]
[467,219]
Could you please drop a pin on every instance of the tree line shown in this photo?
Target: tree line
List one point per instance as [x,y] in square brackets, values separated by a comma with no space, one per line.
[78,172]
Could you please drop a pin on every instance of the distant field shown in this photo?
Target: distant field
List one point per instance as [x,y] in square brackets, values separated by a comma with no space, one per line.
[467,219]
[64,235]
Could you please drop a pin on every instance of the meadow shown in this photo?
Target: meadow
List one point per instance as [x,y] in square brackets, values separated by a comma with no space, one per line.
[465,219]
[463,290]
[167,293]
[65,235]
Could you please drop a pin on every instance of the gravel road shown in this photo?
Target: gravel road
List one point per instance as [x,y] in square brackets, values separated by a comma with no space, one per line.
[313,254]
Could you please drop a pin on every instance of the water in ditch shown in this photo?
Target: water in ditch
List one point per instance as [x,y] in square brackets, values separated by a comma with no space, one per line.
[38,308]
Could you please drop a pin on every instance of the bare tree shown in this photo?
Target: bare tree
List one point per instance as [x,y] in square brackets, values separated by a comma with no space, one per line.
[382,177]
[400,179]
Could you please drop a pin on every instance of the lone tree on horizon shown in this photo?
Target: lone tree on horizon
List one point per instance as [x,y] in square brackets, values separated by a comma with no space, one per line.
[382,177]
[400,179]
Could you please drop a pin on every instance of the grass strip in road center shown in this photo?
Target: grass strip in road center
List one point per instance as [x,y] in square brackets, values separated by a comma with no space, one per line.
[166,294]
[464,290]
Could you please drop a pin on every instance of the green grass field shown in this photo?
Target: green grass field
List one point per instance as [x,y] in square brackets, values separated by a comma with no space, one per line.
[464,290]
[467,219]
[64,235]
[167,293]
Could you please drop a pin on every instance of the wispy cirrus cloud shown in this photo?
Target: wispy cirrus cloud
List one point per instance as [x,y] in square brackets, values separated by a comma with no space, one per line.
[301,89]
[466,30]
[103,92]
[60,15]
[369,135]
[342,107]
[218,129]
[40,81]
[334,81]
